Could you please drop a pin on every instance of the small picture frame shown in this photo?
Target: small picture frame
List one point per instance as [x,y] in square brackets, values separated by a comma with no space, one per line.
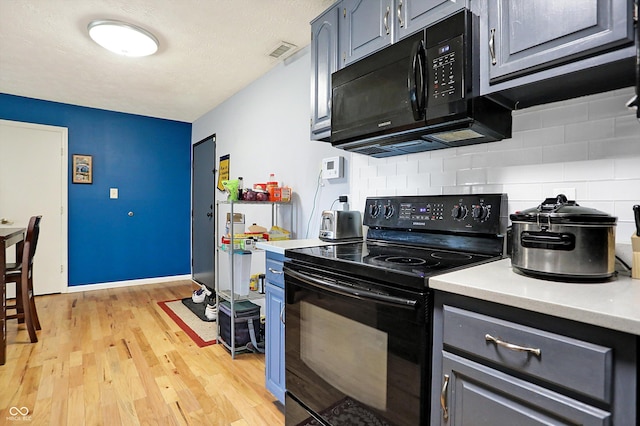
[82,168]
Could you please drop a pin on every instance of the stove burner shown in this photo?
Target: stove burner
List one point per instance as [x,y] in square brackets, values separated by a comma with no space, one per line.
[443,255]
[404,261]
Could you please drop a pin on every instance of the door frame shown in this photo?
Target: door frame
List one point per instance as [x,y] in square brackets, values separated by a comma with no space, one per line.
[64,193]
[211,137]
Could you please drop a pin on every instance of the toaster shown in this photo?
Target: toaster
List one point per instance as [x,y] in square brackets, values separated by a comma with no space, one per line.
[341,225]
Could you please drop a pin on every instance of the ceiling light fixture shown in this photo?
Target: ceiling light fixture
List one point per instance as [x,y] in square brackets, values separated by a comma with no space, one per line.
[122,38]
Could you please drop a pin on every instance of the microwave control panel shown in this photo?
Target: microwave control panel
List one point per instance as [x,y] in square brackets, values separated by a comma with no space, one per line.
[446,71]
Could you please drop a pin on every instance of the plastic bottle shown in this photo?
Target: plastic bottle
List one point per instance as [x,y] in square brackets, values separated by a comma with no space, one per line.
[272,182]
[240,187]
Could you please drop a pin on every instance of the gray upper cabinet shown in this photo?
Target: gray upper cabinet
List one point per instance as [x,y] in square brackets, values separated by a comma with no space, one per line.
[370,25]
[413,15]
[324,61]
[529,35]
[524,42]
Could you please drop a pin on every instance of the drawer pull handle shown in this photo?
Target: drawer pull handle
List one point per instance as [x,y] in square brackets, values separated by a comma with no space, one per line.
[511,346]
[443,398]
[275,271]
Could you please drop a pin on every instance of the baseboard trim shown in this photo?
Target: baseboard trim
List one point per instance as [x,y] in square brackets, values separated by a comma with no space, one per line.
[128,283]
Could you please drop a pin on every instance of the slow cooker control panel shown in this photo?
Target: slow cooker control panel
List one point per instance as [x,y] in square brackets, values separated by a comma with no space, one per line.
[480,213]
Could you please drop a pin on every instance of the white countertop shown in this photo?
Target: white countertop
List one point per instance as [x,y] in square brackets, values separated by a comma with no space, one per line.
[281,246]
[614,305]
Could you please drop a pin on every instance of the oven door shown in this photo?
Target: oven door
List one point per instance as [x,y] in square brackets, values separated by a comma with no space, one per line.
[356,351]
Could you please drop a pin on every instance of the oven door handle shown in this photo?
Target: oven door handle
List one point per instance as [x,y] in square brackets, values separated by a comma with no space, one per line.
[350,291]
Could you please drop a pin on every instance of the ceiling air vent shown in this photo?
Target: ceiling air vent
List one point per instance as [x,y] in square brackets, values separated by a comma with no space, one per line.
[283,50]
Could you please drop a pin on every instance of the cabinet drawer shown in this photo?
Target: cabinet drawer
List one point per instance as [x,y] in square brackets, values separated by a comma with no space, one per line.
[275,275]
[570,363]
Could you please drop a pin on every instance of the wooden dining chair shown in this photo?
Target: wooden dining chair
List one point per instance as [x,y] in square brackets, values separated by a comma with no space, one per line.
[21,273]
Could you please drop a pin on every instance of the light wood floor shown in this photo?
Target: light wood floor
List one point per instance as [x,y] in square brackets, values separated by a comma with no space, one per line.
[111,357]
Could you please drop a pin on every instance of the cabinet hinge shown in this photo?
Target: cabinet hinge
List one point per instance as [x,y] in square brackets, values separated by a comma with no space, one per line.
[344,12]
[61,269]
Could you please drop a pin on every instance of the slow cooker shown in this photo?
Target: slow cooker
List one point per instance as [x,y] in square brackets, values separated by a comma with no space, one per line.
[561,240]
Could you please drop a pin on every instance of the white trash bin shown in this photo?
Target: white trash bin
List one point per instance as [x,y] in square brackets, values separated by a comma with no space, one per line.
[241,271]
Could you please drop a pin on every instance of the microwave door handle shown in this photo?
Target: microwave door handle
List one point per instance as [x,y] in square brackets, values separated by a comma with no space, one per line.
[416,81]
[348,291]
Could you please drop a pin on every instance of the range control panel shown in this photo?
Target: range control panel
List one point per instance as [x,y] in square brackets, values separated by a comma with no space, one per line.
[478,213]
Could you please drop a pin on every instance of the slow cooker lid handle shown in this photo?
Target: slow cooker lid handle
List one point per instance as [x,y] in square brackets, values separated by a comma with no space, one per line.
[553,204]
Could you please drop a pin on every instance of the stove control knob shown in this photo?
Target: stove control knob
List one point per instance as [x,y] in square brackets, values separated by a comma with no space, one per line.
[459,212]
[388,211]
[374,210]
[480,213]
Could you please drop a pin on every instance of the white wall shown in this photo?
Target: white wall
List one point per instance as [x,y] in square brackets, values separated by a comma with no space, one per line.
[265,128]
[589,144]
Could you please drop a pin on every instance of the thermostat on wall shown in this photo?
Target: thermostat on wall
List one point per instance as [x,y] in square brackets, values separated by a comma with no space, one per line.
[332,167]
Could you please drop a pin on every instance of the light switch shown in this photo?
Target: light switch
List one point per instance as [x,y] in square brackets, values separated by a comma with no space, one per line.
[113,193]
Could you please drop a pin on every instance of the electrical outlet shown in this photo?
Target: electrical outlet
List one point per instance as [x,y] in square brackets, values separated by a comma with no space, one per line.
[113,193]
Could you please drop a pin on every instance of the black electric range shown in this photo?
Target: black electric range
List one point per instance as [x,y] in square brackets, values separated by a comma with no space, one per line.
[412,238]
[359,314]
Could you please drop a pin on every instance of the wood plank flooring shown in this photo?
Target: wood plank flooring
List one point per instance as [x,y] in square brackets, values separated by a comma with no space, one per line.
[111,357]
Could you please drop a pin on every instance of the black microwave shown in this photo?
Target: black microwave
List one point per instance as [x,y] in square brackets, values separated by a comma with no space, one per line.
[419,94]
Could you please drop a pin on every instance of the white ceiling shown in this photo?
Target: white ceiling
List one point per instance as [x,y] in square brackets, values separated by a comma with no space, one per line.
[209,50]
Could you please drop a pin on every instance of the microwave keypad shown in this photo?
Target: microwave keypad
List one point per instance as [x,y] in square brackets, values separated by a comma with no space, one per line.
[446,75]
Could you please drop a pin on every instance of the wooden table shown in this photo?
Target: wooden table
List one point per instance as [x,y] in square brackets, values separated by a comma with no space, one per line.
[8,237]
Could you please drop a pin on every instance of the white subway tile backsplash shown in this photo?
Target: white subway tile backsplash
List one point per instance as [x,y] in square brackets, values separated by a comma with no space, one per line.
[524,191]
[614,148]
[627,168]
[368,171]
[566,152]
[430,165]
[526,120]
[551,189]
[542,137]
[618,190]
[526,174]
[409,168]
[609,107]
[588,170]
[418,180]
[627,126]
[624,210]
[564,114]
[457,163]
[443,179]
[387,169]
[471,177]
[590,145]
[591,130]
[397,182]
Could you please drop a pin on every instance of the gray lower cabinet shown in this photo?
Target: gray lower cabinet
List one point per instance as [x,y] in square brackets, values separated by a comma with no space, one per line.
[324,61]
[497,365]
[524,41]
[274,325]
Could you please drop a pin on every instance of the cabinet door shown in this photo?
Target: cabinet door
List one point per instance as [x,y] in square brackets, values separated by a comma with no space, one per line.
[480,396]
[274,349]
[368,26]
[530,35]
[324,61]
[413,15]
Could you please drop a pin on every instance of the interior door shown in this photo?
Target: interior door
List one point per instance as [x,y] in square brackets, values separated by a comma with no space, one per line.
[33,181]
[202,215]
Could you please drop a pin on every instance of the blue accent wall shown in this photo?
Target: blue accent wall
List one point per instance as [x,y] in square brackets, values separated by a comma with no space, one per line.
[149,161]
